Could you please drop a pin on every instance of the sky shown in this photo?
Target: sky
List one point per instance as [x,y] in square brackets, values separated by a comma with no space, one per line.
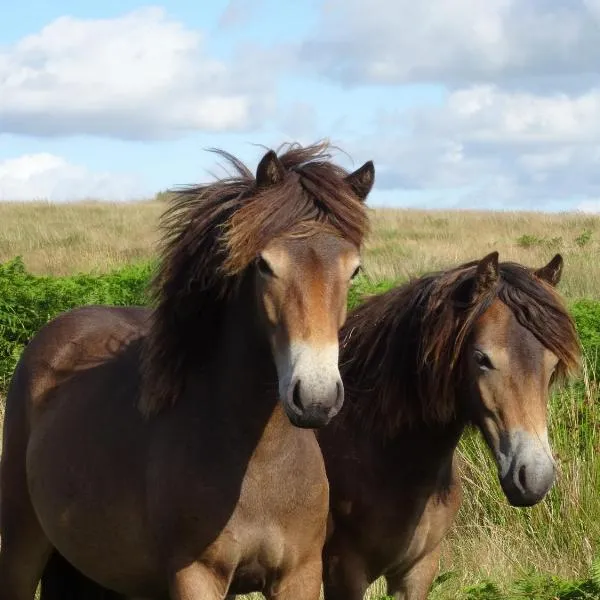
[460,103]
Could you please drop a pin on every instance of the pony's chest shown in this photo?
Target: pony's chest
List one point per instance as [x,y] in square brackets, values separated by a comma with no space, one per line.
[247,505]
[287,477]
[280,516]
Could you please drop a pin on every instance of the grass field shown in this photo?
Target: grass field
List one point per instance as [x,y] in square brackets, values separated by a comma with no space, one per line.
[63,239]
[491,542]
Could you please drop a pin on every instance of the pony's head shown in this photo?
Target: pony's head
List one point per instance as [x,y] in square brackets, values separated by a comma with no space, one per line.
[291,233]
[522,340]
[302,278]
[480,343]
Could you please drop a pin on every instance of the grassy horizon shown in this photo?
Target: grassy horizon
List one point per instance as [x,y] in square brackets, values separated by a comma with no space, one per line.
[62,239]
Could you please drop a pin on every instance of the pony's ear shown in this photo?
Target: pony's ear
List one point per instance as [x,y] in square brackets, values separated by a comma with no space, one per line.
[485,279]
[270,171]
[361,181]
[552,272]
[486,275]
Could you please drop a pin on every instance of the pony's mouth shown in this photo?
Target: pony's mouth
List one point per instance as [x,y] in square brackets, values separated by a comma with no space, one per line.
[526,469]
[312,418]
[311,388]
[309,416]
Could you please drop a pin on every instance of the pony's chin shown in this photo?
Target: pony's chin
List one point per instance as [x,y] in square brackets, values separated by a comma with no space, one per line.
[521,498]
[521,502]
[310,418]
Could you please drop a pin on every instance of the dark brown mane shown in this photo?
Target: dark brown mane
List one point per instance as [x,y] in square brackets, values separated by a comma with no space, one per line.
[407,343]
[212,233]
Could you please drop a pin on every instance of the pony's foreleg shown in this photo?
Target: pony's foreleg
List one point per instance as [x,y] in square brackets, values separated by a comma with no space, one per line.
[21,566]
[415,584]
[198,582]
[301,583]
[24,548]
[344,572]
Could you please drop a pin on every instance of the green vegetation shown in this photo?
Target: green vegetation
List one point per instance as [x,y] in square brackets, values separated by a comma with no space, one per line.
[28,301]
[533,586]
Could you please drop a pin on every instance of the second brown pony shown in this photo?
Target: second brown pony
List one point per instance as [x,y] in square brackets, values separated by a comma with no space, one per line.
[477,344]
[157,452]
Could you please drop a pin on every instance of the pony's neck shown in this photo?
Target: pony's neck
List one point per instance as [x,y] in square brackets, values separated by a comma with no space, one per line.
[244,350]
[425,449]
[426,452]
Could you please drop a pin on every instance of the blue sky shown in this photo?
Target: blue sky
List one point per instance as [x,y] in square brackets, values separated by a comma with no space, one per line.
[460,103]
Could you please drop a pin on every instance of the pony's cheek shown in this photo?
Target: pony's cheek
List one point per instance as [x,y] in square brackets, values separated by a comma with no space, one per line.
[343,312]
[484,409]
[271,309]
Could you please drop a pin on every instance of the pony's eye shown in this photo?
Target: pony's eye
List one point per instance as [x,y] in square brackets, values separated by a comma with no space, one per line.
[483,360]
[356,272]
[264,268]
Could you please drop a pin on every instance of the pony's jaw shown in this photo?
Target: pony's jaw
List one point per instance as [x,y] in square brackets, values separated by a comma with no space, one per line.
[310,385]
[526,468]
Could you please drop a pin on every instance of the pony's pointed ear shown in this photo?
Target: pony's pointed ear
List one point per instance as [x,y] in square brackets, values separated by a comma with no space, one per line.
[552,272]
[486,275]
[361,181]
[484,280]
[270,171]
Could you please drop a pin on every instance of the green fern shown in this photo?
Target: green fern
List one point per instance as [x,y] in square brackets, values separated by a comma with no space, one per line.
[486,590]
[595,573]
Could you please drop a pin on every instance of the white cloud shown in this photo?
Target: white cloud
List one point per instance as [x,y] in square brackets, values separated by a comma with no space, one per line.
[515,148]
[138,76]
[50,177]
[486,114]
[456,41]
[589,206]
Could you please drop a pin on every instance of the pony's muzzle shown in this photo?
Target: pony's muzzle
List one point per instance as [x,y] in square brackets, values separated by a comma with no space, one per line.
[310,408]
[531,470]
[311,388]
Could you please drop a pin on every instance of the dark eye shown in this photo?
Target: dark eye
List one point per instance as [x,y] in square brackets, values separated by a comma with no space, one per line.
[264,268]
[356,272]
[483,360]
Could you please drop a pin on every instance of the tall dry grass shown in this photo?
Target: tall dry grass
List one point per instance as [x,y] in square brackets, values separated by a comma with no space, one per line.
[93,236]
[409,242]
[61,239]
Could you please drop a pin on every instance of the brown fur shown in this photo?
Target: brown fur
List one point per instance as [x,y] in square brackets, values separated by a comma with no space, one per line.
[408,372]
[218,491]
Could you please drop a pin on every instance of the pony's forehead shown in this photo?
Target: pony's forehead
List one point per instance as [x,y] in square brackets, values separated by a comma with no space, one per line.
[499,325]
[512,345]
[319,245]
[311,235]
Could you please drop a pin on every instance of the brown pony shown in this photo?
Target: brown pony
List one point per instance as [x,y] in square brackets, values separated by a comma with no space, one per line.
[480,344]
[155,451]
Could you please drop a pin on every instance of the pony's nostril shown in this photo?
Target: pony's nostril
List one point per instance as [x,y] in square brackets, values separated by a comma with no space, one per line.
[522,478]
[296,396]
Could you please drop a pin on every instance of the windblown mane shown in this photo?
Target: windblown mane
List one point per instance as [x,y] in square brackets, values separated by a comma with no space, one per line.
[212,233]
[402,348]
